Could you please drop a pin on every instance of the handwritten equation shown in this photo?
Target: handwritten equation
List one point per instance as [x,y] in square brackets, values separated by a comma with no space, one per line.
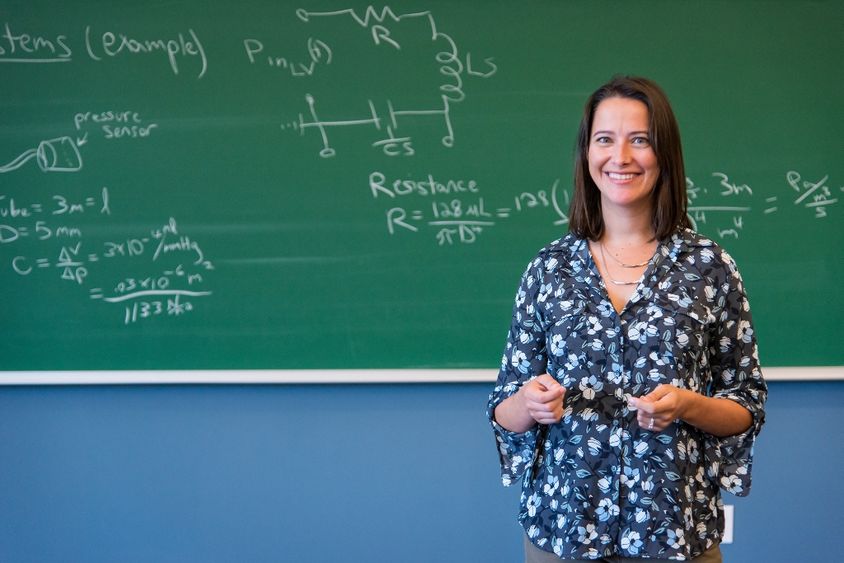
[455,210]
[813,195]
[458,213]
[720,207]
[160,272]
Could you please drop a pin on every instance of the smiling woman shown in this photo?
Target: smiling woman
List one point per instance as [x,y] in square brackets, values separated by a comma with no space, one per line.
[621,161]
[657,128]
[629,391]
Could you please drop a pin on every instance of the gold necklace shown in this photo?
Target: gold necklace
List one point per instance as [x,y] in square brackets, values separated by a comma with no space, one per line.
[609,275]
[624,264]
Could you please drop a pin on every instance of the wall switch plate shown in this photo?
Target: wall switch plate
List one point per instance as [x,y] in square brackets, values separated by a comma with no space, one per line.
[728,524]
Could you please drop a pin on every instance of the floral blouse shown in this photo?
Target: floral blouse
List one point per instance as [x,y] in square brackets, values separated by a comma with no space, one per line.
[596,484]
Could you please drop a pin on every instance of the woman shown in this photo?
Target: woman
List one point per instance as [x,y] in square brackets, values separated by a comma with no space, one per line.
[629,391]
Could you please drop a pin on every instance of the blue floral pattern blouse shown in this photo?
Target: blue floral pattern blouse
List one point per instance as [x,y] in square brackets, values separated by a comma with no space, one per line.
[596,484]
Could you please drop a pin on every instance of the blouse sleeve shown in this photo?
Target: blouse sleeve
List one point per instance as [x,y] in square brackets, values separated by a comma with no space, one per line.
[736,376]
[523,359]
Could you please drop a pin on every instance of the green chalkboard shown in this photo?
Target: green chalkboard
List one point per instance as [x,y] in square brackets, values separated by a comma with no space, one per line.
[339,185]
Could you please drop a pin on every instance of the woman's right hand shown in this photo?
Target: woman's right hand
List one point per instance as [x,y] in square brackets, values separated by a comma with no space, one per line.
[543,399]
[540,400]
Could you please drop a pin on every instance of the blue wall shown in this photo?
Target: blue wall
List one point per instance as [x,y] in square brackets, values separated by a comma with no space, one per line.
[359,473]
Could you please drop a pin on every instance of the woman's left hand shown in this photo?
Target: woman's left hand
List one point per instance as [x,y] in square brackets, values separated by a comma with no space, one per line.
[668,404]
[661,407]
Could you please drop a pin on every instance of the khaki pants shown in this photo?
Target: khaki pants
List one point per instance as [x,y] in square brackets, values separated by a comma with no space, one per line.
[535,555]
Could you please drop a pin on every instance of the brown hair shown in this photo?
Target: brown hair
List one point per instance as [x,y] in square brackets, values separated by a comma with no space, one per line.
[669,193]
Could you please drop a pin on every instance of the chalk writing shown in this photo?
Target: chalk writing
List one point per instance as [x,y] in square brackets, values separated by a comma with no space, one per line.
[318,53]
[451,64]
[152,296]
[391,145]
[728,213]
[71,234]
[123,124]
[464,216]
[731,188]
[735,202]
[815,196]
[61,205]
[172,306]
[28,48]
[17,47]
[378,185]
[52,155]
[381,35]
[183,244]
[178,50]
[323,126]
[178,261]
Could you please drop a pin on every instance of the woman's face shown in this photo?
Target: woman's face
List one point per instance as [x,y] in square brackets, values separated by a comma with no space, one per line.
[622,161]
